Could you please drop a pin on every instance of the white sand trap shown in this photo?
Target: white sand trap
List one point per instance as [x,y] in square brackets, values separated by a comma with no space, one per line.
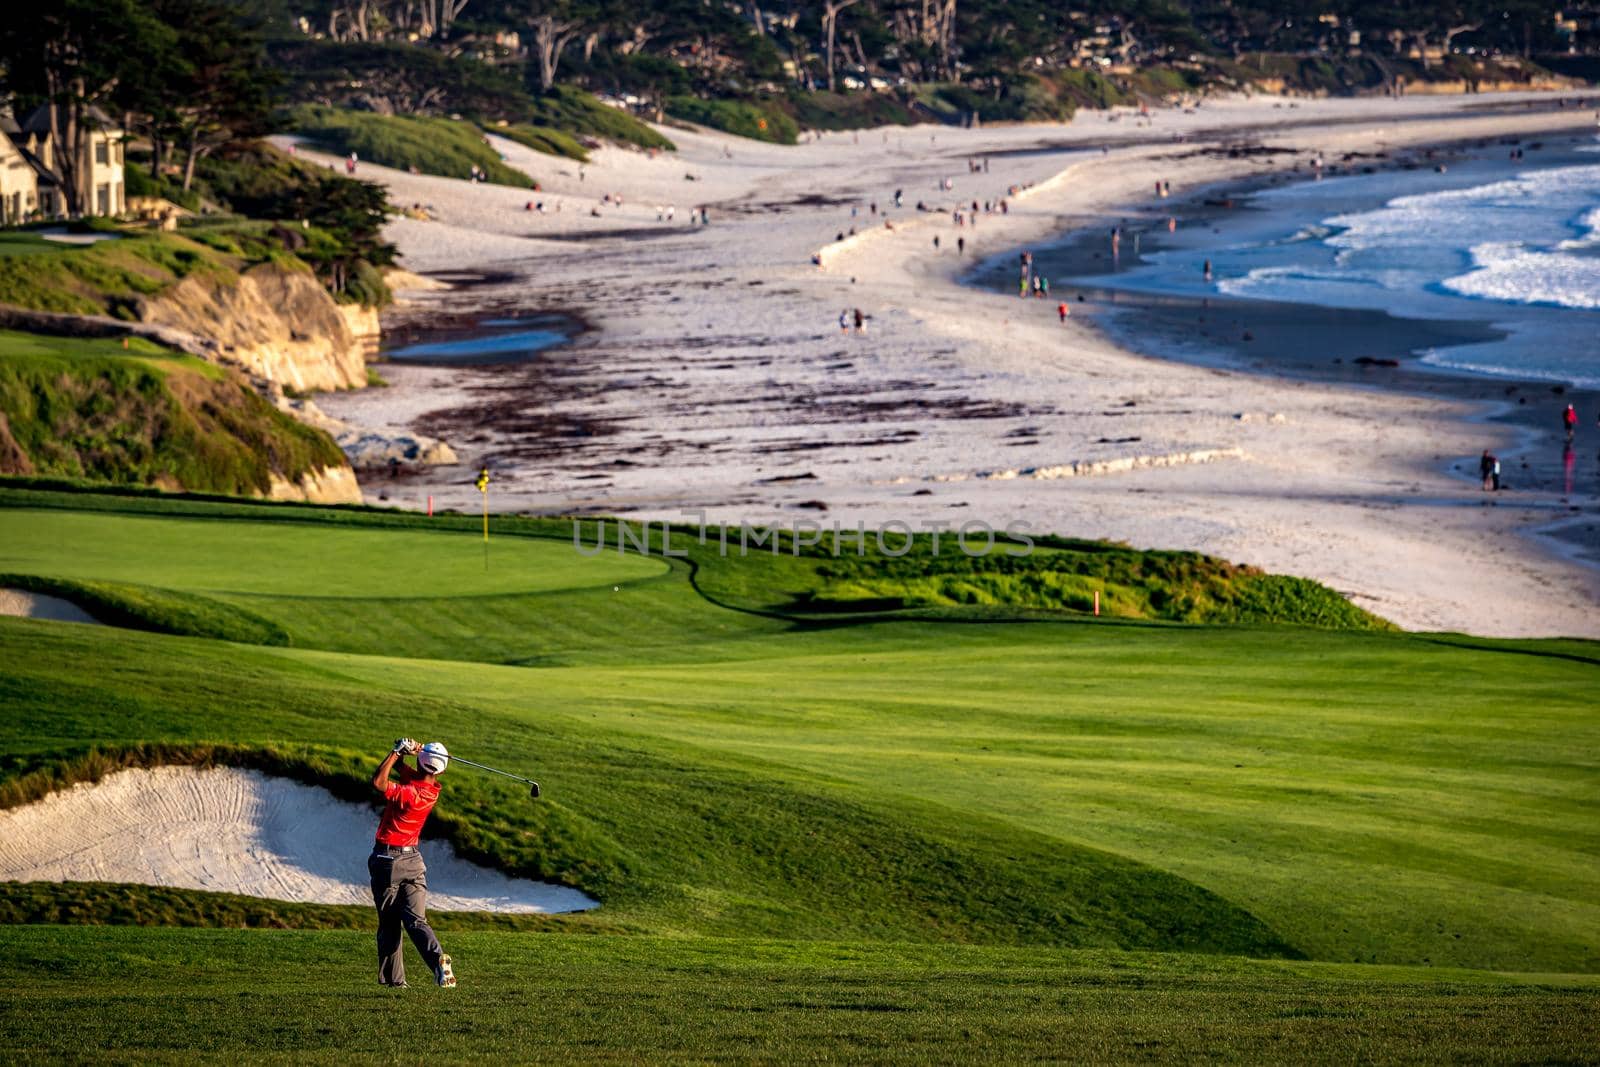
[65,238]
[233,831]
[38,606]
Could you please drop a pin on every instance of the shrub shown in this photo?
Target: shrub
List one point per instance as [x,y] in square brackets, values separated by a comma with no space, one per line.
[544,139]
[741,118]
[444,147]
[573,111]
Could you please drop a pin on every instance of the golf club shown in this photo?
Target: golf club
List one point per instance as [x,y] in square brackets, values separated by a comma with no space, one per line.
[496,770]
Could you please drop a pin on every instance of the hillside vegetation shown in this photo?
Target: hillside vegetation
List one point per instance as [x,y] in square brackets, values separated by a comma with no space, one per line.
[822,66]
[144,415]
[108,277]
[114,276]
[430,145]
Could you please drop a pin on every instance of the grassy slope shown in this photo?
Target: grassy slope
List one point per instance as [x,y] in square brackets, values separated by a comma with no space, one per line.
[101,278]
[1370,796]
[673,837]
[551,142]
[300,997]
[143,415]
[579,114]
[743,118]
[432,145]
[784,590]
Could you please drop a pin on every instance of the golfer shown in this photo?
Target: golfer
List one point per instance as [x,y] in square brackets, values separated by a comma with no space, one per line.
[399,878]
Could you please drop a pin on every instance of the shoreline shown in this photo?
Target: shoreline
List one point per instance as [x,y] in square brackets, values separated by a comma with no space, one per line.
[1356,347]
[717,378]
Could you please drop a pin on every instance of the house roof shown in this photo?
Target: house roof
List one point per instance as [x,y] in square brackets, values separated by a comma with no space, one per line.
[39,120]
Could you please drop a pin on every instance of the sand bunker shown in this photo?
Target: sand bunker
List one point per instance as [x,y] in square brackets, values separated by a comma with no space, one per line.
[38,606]
[234,831]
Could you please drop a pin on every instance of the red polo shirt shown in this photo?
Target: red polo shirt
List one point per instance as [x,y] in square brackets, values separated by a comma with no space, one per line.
[409,802]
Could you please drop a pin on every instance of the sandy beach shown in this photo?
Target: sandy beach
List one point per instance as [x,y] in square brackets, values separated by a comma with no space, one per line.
[716,377]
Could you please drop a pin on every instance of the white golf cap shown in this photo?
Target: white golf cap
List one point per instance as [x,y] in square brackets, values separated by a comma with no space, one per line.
[433,758]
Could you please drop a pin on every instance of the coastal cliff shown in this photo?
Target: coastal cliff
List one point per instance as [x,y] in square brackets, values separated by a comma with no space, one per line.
[275,322]
[128,411]
[151,337]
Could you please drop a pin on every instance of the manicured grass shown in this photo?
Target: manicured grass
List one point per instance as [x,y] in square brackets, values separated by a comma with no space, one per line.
[671,837]
[343,604]
[1368,796]
[15,243]
[99,279]
[300,560]
[920,835]
[162,611]
[16,345]
[178,995]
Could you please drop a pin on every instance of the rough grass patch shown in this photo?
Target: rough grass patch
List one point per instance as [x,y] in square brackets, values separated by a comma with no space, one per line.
[431,145]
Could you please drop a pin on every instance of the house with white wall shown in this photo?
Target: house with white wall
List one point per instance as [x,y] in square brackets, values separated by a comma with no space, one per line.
[31,180]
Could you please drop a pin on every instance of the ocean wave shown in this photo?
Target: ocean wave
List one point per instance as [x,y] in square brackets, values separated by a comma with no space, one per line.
[1589,224]
[1513,273]
[1520,206]
[1451,359]
[1313,232]
[1306,283]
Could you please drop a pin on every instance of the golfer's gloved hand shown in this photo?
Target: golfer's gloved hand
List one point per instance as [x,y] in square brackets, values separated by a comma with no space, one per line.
[405,747]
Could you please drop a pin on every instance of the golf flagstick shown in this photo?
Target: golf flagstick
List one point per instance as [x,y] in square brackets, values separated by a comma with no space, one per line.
[483,487]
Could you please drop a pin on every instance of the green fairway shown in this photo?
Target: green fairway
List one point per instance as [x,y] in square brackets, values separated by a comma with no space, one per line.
[288,560]
[14,345]
[186,995]
[720,761]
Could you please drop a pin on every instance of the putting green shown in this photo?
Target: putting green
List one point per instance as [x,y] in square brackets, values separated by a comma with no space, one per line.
[293,560]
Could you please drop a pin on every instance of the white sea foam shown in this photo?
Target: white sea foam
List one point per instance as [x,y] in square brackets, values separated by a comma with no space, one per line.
[1515,274]
[1520,253]
[1589,223]
[1536,219]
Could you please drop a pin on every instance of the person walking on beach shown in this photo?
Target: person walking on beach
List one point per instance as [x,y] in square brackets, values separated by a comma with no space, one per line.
[844,321]
[399,877]
[861,322]
[961,246]
[1063,311]
[1569,421]
[1486,466]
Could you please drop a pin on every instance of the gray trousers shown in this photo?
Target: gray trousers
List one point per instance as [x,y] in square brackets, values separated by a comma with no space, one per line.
[400,892]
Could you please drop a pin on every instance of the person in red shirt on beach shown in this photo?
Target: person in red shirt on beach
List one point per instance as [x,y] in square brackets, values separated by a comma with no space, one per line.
[399,877]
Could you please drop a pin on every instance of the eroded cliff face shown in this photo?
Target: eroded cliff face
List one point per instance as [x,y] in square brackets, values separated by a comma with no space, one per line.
[330,485]
[275,322]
